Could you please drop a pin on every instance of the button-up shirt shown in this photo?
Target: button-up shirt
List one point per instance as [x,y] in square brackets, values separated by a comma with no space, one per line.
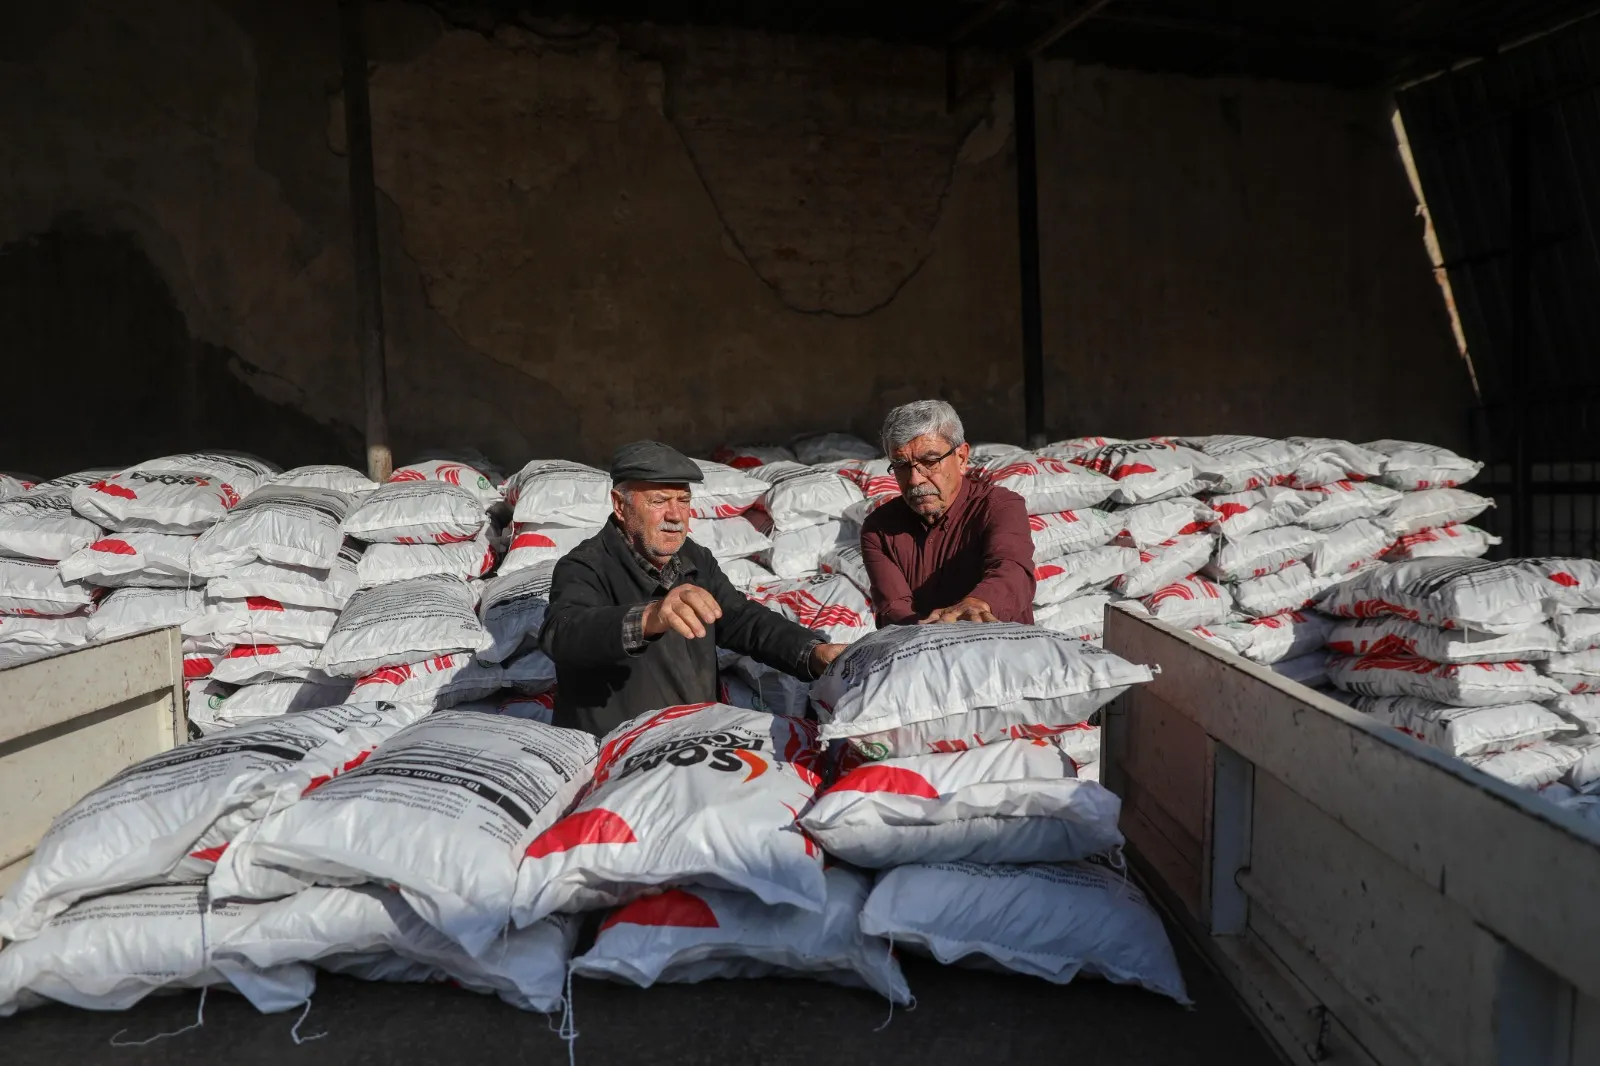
[981,546]
[665,577]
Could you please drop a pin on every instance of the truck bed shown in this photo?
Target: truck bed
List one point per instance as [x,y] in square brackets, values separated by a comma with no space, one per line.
[1374,901]
[962,1016]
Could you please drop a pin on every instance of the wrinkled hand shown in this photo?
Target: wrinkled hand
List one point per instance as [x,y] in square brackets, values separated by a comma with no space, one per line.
[970,609]
[686,610]
[822,655]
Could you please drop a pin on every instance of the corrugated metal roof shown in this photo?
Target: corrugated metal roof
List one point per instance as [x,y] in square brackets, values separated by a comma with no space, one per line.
[1463,128]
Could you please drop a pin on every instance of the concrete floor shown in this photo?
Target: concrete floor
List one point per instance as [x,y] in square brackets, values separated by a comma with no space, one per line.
[962,1016]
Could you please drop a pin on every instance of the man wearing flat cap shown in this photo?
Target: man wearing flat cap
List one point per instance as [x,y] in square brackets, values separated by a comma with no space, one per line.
[638,612]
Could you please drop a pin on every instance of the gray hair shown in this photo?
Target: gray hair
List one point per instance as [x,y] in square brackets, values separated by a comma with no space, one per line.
[911,420]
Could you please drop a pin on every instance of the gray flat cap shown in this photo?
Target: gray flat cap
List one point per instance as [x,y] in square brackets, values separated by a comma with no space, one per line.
[650,460]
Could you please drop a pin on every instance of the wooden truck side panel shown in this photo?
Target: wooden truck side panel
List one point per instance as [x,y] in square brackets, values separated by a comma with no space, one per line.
[71,721]
[1372,900]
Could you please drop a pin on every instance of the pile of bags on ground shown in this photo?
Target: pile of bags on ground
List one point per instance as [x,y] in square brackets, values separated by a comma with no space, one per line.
[380,793]
[428,588]
[294,589]
[934,807]
[225,546]
[39,613]
[440,617]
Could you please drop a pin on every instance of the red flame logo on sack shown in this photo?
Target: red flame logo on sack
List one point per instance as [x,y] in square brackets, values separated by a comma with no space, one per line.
[408,474]
[387,675]
[111,488]
[1410,540]
[317,782]
[614,750]
[1377,608]
[875,777]
[598,826]
[1408,664]
[810,611]
[1039,732]
[1014,470]
[1176,591]
[673,908]
[757,764]
[250,651]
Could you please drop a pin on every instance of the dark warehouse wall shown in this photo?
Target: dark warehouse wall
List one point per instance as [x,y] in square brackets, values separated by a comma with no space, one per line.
[695,235]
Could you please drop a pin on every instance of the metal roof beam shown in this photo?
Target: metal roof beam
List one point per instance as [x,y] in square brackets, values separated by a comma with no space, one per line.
[955,99]
[1257,33]
[978,20]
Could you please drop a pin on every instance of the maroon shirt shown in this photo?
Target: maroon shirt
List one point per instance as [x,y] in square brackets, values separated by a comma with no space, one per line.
[981,546]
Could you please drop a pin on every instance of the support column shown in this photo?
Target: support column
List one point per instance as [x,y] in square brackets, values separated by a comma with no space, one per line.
[1028,250]
[1521,336]
[364,229]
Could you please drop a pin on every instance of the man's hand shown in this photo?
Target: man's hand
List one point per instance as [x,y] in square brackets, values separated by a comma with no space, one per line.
[822,655]
[970,609]
[686,610]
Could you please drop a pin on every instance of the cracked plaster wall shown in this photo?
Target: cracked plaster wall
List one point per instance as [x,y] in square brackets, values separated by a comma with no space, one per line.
[597,235]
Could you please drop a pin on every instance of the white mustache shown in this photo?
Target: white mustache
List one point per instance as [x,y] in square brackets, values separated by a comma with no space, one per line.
[672,527]
[924,490]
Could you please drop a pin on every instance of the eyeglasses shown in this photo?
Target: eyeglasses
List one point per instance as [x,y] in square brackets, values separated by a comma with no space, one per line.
[926,464]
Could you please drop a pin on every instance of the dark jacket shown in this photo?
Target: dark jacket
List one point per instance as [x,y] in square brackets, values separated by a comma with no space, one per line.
[599,684]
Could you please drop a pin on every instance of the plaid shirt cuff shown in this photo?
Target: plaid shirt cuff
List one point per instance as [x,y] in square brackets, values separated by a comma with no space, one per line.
[633,638]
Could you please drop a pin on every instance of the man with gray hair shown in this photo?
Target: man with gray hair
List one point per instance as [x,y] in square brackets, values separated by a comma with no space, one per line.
[953,547]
